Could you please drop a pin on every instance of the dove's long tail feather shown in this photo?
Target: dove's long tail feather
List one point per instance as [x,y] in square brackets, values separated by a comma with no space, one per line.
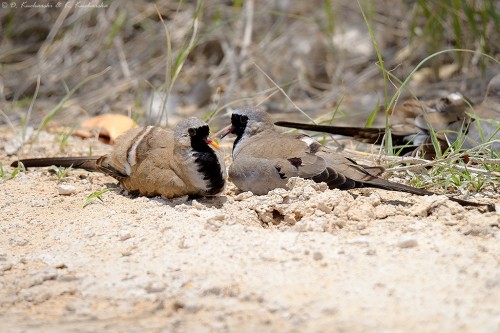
[391,186]
[79,162]
[89,163]
[369,135]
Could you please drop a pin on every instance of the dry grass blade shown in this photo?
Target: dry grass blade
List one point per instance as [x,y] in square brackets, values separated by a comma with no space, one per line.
[60,105]
[284,93]
[483,160]
[30,109]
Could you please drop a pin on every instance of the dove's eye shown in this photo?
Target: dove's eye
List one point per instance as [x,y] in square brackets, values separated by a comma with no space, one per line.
[237,119]
[243,119]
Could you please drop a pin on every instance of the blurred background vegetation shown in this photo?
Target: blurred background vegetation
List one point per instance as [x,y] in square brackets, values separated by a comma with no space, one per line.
[166,60]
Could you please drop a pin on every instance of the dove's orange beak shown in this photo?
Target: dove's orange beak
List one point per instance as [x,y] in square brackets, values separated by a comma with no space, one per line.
[212,143]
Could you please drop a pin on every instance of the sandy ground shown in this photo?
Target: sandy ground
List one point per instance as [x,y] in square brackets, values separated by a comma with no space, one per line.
[306,259]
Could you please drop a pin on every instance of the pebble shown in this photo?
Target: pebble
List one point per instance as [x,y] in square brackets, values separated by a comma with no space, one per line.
[243,196]
[450,222]
[317,256]
[371,252]
[128,251]
[407,243]
[124,235]
[67,278]
[330,310]
[66,189]
[6,267]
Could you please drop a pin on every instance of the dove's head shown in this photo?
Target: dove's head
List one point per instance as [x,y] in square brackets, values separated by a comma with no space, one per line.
[249,121]
[193,133]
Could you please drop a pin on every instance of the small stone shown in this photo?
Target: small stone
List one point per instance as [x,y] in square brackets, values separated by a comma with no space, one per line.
[129,250]
[243,196]
[70,307]
[290,219]
[361,226]
[182,244]
[317,256]
[67,278]
[450,222]
[371,252]
[482,248]
[330,310]
[325,207]
[407,243]
[219,217]
[66,189]
[123,235]
[6,267]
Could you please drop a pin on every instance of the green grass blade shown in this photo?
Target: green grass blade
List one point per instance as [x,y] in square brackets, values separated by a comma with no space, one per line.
[96,195]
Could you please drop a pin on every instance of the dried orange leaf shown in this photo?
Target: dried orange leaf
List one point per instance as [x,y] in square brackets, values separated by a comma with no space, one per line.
[111,125]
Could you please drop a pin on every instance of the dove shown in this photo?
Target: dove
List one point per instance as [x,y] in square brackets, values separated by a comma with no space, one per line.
[265,159]
[153,161]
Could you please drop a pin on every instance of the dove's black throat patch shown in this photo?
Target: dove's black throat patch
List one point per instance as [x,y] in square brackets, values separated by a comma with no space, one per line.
[237,141]
[207,161]
[239,123]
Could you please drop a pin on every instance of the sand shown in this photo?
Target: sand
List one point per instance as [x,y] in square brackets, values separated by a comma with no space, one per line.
[303,259]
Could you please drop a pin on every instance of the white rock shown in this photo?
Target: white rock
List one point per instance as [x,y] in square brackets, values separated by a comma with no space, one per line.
[66,189]
[123,235]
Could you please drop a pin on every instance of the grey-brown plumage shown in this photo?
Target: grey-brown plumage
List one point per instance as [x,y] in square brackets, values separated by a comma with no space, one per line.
[264,159]
[154,161]
[412,122]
